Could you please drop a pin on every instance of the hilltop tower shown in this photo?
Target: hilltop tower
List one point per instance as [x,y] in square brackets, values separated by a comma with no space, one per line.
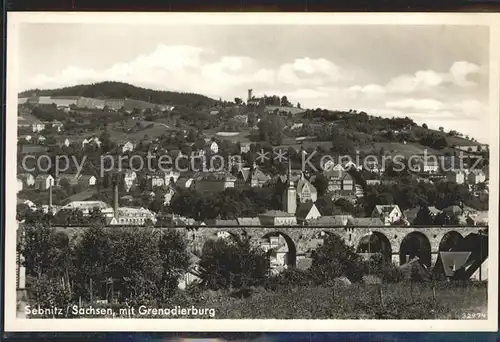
[249,94]
[290,194]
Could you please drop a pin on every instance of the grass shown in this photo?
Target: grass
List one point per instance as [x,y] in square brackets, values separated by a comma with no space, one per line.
[358,301]
[404,149]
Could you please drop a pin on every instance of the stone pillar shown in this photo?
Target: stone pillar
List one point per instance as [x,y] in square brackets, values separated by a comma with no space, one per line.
[434,257]
[395,259]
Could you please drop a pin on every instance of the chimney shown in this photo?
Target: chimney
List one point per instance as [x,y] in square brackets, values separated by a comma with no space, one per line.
[115,198]
[50,195]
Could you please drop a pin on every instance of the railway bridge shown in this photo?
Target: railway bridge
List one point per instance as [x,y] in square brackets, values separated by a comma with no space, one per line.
[398,244]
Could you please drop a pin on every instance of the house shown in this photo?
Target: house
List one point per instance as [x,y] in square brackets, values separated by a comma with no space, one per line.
[171,176]
[478,218]
[277,218]
[134,216]
[253,176]
[19,185]
[66,142]
[214,147]
[27,179]
[129,179]
[347,182]
[28,203]
[411,214]
[459,210]
[93,141]
[348,195]
[389,214]
[248,221]
[168,195]
[87,180]
[457,176]
[43,182]
[332,169]
[215,181]
[330,221]
[127,147]
[305,190]
[476,176]
[428,165]
[307,211]
[57,125]
[26,138]
[185,182]
[245,147]
[86,206]
[27,120]
[433,211]
[155,180]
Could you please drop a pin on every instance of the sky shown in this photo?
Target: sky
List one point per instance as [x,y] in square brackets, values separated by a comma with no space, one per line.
[436,75]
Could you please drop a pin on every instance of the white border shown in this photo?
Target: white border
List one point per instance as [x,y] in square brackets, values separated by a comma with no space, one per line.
[15,19]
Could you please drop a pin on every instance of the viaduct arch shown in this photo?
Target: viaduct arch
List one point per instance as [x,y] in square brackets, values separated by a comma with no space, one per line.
[394,243]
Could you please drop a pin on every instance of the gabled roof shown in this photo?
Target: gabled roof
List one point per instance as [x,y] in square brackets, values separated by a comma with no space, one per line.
[302,182]
[433,210]
[303,209]
[385,209]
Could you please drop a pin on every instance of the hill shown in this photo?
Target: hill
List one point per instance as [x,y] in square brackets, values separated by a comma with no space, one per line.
[119,90]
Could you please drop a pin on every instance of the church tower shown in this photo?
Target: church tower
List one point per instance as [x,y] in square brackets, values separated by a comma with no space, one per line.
[290,194]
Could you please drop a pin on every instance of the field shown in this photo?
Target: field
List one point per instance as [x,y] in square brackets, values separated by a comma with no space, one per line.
[406,150]
[119,132]
[358,301]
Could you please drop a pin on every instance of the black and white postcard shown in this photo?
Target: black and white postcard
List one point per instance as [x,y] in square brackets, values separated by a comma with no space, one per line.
[250,172]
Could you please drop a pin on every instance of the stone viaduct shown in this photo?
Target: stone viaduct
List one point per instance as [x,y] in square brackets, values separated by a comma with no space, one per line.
[395,243]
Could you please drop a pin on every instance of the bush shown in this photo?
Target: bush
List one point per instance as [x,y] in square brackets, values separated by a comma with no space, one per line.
[227,264]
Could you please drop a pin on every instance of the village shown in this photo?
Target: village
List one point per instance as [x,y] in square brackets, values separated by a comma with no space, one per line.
[292,193]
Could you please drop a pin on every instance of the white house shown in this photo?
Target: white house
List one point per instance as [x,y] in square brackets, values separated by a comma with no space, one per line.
[127,147]
[476,176]
[387,213]
[27,179]
[457,176]
[87,180]
[214,147]
[134,216]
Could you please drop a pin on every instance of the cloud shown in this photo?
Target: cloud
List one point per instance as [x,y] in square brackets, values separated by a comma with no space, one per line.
[371,90]
[423,81]
[459,72]
[420,81]
[193,69]
[428,105]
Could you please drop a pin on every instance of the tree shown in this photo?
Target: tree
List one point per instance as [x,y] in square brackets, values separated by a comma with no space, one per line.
[175,261]
[284,101]
[335,259]
[227,264]
[238,101]
[424,126]
[271,129]
[325,205]
[298,105]
[321,184]
[441,129]
[423,217]
[44,250]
